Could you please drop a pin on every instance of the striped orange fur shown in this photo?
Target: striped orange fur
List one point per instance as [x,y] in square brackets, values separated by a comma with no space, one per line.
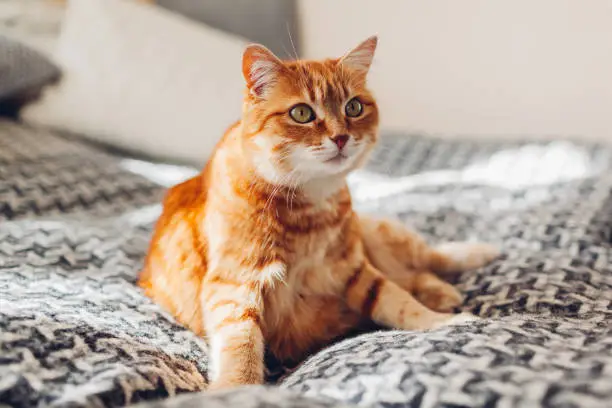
[263,247]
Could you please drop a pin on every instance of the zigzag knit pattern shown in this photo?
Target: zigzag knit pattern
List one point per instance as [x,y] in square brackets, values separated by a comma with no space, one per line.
[76,331]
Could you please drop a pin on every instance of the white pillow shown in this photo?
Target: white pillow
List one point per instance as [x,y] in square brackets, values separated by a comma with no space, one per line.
[35,23]
[144,79]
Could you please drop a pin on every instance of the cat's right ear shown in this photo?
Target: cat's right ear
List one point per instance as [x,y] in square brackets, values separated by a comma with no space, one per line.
[260,68]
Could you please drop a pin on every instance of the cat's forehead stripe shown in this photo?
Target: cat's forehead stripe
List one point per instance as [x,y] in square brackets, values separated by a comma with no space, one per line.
[322,83]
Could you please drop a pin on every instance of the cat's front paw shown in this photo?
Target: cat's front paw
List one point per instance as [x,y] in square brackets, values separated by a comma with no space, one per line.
[464,256]
[232,381]
[221,385]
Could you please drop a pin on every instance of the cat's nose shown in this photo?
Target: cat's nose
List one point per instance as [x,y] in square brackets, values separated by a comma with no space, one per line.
[340,140]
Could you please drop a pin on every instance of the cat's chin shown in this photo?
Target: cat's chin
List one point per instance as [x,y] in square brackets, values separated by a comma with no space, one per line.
[340,166]
[341,160]
[337,160]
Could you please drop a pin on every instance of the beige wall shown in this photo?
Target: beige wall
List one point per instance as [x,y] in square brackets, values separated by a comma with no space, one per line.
[479,67]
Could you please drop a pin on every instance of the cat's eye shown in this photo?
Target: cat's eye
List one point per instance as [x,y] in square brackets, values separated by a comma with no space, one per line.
[353,108]
[302,113]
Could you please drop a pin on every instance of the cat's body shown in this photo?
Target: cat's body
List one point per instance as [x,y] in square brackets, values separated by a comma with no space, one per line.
[263,247]
[298,313]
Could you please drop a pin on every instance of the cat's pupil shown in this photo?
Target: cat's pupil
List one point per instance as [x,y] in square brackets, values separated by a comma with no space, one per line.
[353,108]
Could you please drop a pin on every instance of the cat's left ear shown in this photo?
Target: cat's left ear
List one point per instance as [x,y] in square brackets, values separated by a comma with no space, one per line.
[260,68]
[360,58]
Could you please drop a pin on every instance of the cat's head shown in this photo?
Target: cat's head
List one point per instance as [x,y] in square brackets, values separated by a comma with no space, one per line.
[308,120]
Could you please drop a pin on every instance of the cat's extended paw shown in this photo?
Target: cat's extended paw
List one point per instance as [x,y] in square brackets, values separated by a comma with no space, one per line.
[464,256]
[460,319]
[441,298]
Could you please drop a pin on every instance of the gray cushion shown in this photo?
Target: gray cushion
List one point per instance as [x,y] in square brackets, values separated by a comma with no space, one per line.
[22,70]
[272,23]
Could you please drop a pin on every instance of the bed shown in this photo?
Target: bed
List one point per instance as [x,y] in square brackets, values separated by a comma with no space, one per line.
[75,330]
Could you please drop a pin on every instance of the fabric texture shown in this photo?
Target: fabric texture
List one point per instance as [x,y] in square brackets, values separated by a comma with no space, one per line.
[176,71]
[247,397]
[76,331]
[22,69]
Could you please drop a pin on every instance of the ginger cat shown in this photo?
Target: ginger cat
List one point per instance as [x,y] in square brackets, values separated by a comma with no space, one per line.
[263,249]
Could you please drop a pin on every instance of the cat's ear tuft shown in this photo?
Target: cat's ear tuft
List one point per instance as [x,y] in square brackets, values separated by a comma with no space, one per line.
[360,58]
[260,68]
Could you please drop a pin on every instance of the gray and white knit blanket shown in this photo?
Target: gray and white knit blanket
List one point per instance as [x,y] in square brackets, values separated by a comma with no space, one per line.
[76,331]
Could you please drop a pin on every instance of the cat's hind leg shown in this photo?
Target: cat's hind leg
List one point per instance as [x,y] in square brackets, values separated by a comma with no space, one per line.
[369,292]
[407,259]
[452,258]
[389,243]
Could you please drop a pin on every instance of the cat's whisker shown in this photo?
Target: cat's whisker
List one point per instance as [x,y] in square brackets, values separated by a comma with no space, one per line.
[291,40]
[283,157]
[297,184]
[280,183]
[271,197]
[287,53]
[293,187]
[289,178]
[251,189]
